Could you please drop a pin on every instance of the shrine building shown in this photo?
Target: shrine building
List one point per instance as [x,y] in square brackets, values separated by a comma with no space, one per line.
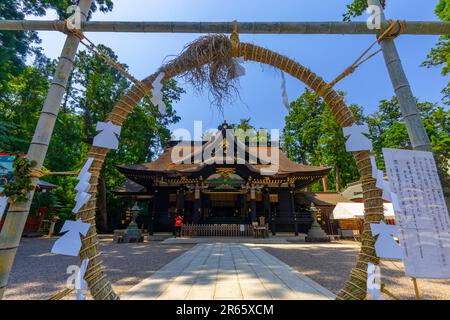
[236,186]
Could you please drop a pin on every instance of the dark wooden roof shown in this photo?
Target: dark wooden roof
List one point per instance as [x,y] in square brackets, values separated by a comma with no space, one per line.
[325,199]
[247,161]
[163,166]
[129,187]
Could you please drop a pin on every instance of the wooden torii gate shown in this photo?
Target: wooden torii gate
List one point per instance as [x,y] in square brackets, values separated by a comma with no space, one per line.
[18,212]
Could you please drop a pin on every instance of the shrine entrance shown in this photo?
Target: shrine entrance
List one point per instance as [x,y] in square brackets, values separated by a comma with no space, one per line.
[229,207]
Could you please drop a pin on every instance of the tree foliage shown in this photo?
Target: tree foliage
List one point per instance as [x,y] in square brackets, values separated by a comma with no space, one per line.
[93,90]
[387,130]
[439,56]
[312,136]
[16,46]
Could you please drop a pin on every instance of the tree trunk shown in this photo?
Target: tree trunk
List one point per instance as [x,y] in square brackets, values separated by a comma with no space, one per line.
[18,212]
[324,181]
[101,202]
[338,177]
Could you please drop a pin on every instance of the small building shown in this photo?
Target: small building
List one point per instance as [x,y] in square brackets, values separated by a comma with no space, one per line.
[350,216]
[353,192]
[237,184]
[325,202]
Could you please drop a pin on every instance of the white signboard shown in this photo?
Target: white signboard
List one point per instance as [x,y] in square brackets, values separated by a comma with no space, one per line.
[423,219]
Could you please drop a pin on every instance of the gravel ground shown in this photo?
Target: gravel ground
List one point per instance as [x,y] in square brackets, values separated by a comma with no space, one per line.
[38,274]
[330,265]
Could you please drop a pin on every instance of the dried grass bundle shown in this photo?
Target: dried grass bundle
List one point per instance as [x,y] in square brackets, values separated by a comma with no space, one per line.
[207,63]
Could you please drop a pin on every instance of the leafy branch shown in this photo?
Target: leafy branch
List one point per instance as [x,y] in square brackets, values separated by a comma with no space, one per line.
[22,183]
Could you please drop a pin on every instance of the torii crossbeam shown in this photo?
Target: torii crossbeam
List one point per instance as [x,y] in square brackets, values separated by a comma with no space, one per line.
[351,28]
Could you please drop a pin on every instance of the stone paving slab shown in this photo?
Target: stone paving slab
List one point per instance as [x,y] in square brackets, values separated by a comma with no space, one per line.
[223,271]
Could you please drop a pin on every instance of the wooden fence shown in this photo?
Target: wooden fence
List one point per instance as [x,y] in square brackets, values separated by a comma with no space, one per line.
[217,230]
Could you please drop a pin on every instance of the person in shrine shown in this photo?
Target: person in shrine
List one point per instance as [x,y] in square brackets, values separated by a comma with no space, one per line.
[178,225]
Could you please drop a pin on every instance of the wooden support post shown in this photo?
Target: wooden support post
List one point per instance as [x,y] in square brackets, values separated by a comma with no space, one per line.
[416,288]
[18,212]
[406,100]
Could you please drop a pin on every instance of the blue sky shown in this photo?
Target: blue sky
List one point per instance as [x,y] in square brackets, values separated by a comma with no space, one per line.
[327,55]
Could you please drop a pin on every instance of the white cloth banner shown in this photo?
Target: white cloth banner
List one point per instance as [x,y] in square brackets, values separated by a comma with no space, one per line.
[422,218]
[352,210]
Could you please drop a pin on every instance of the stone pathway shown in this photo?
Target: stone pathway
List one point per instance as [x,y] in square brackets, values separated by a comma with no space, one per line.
[227,271]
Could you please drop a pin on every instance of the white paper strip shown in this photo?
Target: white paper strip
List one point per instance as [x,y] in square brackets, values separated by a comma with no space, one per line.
[87,165]
[383,185]
[239,68]
[3,205]
[374,281]
[82,186]
[373,162]
[157,95]
[357,141]
[385,246]
[423,221]
[70,243]
[284,91]
[395,202]
[81,199]
[108,137]
[80,284]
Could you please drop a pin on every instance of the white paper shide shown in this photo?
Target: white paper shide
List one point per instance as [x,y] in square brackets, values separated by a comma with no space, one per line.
[108,136]
[386,246]
[80,284]
[3,205]
[421,214]
[83,186]
[157,94]
[70,242]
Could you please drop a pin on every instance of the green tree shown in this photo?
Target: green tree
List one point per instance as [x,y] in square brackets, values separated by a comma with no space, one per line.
[17,46]
[312,136]
[21,104]
[95,88]
[388,131]
[440,55]
[246,132]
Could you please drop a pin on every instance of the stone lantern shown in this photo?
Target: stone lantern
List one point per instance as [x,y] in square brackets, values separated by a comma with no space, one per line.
[132,233]
[316,233]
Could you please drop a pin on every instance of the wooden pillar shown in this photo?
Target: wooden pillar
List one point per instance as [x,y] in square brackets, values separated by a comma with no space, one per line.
[268,210]
[253,203]
[197,205]
[16,217]
[180,202]
[151,224]
[293,213]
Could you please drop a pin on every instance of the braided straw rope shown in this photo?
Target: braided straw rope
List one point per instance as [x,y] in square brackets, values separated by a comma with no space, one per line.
[355,287]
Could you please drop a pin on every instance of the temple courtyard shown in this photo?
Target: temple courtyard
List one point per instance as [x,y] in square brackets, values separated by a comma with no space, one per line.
[214,269]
